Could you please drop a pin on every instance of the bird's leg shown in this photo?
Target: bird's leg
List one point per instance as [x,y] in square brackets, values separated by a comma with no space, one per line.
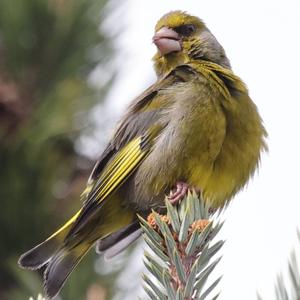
[179,193]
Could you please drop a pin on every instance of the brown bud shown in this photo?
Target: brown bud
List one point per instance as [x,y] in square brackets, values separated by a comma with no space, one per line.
[199,225]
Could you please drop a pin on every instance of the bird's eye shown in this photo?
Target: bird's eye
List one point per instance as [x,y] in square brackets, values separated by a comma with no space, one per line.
[185,30]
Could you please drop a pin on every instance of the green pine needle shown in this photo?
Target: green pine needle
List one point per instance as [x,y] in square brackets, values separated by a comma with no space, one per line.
[180,241]
[291,291]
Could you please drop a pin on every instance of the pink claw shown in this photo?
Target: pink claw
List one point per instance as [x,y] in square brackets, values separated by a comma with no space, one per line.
[179,194]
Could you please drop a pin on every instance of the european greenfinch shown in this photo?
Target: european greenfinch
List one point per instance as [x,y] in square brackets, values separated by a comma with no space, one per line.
[196,126]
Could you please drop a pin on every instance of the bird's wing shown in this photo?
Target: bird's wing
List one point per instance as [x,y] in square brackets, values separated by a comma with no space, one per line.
[130,145]
[141,114]
[114,173]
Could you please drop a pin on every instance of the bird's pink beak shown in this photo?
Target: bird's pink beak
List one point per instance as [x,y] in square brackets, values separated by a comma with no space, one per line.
[167,41]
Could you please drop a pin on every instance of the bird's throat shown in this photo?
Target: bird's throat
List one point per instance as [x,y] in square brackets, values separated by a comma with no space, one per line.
[165,64]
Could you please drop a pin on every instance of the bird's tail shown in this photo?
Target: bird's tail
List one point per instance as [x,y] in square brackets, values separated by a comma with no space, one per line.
[59,262]
[59,259]
[60,267]
[42,253]
[62,251]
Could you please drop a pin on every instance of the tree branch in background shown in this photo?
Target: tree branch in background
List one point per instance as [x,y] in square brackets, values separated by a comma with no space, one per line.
[48,51]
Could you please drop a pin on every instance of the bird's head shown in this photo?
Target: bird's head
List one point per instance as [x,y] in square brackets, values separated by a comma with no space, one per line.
[181,38]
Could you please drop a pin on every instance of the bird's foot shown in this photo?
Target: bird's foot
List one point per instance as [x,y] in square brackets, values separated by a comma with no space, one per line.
[179,193]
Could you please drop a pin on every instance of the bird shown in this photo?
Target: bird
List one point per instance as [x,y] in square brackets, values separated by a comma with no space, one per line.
[196,126]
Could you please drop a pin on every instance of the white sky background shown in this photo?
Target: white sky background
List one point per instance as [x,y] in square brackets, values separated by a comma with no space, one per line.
[261,39]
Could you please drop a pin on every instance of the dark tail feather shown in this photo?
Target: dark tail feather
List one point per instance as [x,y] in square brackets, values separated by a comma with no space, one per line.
[60,267]
[116,242]
[39,255]
[42,253]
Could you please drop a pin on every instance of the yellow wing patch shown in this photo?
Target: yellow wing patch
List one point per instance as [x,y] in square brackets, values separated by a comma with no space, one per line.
[122,165]
[67,224]
[117,170]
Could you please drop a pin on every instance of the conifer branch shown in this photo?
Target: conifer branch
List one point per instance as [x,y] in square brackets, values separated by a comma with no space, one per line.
[281,290]
[291,291]
[182,251]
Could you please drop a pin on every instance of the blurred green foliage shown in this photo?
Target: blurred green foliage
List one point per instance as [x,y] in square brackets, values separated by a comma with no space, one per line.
[48,49]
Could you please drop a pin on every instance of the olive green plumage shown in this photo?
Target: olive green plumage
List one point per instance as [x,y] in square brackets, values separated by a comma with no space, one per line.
[196,124]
